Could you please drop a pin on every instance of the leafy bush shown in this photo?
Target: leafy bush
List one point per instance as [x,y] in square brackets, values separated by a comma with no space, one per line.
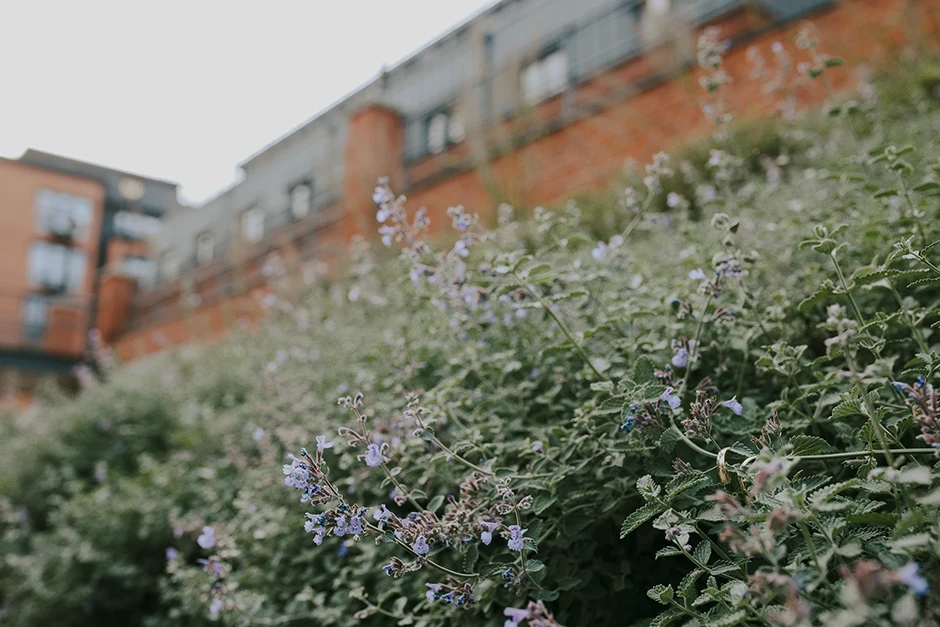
[721,416]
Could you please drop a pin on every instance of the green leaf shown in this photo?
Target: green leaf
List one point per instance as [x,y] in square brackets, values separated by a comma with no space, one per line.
[824,495]
[703,552]
[807,445]
[471,556]
[644,369]
[686,587]
[665,618]
[847,408]
[661,593]
[648,488]
[685,482]
[435,503]
[640,516]
[533,566]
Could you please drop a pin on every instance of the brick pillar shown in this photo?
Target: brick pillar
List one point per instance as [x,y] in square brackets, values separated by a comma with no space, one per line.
[114,299]
[374,148]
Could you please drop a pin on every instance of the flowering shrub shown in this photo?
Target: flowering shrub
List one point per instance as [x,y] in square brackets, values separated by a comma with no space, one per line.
[706,404]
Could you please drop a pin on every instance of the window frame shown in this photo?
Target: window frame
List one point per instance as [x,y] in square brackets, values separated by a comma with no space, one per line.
[201,238]
[539,64]
[244,224]
[452,118]
[308,184]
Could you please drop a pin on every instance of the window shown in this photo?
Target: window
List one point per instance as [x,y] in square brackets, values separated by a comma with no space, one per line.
[443,129]
[169,268]
[205,248]
[140,268]
[253,224]
[545,77]
[658,7]
[58,213]
[300,198]
[135,225]
[55,267]
[35,316]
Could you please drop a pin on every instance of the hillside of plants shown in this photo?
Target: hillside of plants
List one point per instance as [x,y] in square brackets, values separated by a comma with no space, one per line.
[706,398]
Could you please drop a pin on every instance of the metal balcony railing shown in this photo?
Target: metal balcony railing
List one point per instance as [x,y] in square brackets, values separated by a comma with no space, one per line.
[43,324]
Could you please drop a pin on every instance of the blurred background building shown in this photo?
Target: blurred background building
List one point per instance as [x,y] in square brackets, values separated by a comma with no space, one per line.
[528,102]
[74,244]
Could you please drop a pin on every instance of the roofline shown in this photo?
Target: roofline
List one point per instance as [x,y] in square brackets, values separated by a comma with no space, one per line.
[492,4]
[96,165]
[41,168]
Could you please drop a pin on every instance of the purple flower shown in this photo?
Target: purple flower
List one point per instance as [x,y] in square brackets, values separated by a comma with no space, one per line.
[373,456]
[671,399]
[434,589]
[355,526]
[421,546]
[388,232]
[322,443]
[673,199]
[599,251]
[487,536]
[318,534]
[381,513]
[378,196]
[681,358]
[733,405]
[697,275]
[910,577]
[515,615]
[171,554]
[207,539]
[258,434]
[215,607]
[340,528]
[515,537]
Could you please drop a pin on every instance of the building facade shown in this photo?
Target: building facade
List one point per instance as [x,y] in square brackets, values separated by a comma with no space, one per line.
[528,102]
[74,246]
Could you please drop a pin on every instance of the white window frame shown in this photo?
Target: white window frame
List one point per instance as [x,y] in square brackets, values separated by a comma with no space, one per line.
[252,225]
[436,132]
[135,225]
[60,213]
[301,200]
[545,77]
[205,248]
[140,268]
[168,266]
[56,267]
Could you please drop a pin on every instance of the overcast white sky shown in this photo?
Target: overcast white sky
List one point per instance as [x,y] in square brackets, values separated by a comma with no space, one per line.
[187,89]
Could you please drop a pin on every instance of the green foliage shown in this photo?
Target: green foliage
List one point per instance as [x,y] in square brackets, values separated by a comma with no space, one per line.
[543,379]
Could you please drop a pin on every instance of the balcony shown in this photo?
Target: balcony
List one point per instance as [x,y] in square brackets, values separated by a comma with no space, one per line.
[43,325]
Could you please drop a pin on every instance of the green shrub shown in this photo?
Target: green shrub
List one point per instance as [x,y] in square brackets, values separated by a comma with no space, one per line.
[721,416]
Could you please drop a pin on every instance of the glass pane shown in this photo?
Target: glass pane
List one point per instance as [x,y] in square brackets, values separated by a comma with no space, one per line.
[437,133]
[300,201]
[556,72]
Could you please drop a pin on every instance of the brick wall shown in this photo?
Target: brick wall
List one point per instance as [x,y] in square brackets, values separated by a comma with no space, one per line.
[628,112]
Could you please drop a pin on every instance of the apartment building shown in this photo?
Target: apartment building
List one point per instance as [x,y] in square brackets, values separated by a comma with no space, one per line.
[73,245]
[529,102]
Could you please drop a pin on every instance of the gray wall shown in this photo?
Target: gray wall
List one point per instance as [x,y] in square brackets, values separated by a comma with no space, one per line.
[459,70]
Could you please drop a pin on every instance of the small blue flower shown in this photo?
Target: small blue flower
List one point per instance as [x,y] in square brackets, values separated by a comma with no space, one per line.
[258,434]
[355,526]
[421,546]
[322,443]
[628,425]
[434,590]
[381,513]
[342,550]
[373,456]
[599,251]
[171,554]
[207,539]
[515,538]
[733,405]
[340,529]
[487,536]
[697,275]
[215,607]
[681,358]
[910,577]
[671,399]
